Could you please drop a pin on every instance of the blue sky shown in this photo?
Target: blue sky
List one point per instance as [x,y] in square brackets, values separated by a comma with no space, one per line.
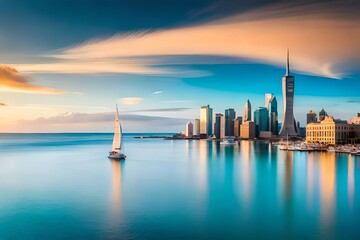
[161,61]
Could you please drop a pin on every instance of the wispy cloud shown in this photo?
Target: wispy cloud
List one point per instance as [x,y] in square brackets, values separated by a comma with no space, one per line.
[13,81]
[131,100]
[157,92]
[3,104]
[320,39]
[158,110]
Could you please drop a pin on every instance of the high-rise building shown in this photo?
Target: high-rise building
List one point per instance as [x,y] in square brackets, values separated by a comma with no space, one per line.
[311,117]
[261,119]
[247,111]
[288,127]
[268,97]
[322,115]
[247,130]
[219,126]
[237,126]
[229,121]
[273,116]
[189,130]
[197,127]
[206,124]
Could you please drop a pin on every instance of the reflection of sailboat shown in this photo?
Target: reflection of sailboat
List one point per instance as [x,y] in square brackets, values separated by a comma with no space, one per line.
[117,141]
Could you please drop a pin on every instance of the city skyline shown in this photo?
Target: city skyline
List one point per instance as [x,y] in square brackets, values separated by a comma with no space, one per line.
[69,80]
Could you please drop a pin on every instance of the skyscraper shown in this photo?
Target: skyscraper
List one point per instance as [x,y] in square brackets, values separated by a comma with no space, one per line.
[247,111]
[261,119]
[219,126]
[206,125]
[273,118]
[237,126]
[229,121]
[189,129]
[268,97]
[197,127]
[311,117]
[288,127]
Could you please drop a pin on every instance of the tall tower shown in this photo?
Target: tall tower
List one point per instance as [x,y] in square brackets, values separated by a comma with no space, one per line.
[206,124]
[288,127]
[247,111]
[229,121]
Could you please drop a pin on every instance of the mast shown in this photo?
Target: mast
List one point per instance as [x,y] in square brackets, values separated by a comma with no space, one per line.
[117,132]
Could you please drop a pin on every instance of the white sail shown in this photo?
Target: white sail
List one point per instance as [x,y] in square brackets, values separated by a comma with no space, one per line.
[117,133]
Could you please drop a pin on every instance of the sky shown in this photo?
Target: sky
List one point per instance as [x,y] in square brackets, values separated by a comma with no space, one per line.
[64,65]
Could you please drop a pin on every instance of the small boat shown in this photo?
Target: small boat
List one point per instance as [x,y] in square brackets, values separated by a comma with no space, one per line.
[115,153]
[331,149]
[228,141]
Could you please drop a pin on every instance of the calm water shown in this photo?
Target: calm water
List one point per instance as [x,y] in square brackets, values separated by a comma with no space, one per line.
[62,186]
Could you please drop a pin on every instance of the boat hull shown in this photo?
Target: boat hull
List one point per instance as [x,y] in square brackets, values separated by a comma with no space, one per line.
[119,156]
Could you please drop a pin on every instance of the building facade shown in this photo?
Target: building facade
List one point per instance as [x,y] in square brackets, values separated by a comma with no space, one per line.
[247,111]
[273,116]
[206,123]
[311,117]
[229,121]
[219,126]
[331,131]
[288,127]
[189,130]
[247,130]
[237,126]
[261,118]
[197,127]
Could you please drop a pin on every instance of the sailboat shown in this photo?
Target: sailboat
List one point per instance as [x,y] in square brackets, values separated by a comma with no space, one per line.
[115,153]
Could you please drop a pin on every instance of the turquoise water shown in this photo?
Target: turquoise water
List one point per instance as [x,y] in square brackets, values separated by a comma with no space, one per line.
[63,186]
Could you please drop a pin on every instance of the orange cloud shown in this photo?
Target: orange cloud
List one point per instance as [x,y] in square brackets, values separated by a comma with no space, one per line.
[321,44]
[12,81]
[131,100]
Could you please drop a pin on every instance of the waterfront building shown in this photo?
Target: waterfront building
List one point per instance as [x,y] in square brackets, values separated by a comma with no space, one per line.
[219,128]
[206,125]
[261,118]
[322,115]
[331,131]
[237,126]
[311,117]
[189,130]
[268,97]
[273,116]
[197,127]
[247,130]
[288,127]
[355,120]
[247,111]
[229,121]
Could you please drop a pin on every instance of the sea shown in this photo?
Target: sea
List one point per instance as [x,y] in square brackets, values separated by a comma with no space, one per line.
[63,186]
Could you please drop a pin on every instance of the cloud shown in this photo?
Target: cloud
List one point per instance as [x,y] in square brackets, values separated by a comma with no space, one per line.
[85,122]
[3,104]
[131,100]
[159,110]
[157,92]
[322,41]
[13,81]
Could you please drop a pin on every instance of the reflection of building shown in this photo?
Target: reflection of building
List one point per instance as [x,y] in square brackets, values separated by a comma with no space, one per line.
[288,127]
[237,125]
[206,116]
[311,117]
[247,111]
[219,125]
[247,130]
[189,130]
[197,127]
[331,131]
[229,122]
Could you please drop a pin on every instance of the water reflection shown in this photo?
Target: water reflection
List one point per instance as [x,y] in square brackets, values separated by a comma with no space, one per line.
[310,181]
[246,178]
[351,183]
[327,169]
[288,184]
